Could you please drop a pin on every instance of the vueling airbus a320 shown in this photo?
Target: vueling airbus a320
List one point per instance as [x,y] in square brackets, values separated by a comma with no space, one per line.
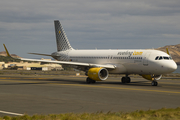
[97,64]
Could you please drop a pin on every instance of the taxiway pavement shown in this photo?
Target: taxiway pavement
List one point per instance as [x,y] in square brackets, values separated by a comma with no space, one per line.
[65,94]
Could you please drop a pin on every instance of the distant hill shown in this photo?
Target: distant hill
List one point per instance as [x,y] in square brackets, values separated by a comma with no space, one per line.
[174,51]
[8,59]
[4,54]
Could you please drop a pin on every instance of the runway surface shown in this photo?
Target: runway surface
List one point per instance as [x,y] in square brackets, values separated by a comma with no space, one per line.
[65,94]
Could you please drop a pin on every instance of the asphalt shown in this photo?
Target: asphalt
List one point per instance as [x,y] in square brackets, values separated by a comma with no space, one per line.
[70,94]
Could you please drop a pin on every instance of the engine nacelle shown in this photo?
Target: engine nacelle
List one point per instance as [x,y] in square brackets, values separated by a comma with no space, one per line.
[98,74]
[152,77]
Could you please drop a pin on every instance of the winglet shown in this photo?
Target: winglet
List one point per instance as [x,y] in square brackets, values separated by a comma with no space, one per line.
[167,51]
[6,51]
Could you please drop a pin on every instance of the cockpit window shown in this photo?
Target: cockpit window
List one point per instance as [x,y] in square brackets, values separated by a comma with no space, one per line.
[156,57]
[160,58]
[166,58]
[163,58]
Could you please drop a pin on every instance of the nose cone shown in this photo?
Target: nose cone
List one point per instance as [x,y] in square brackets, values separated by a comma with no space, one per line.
[172,66]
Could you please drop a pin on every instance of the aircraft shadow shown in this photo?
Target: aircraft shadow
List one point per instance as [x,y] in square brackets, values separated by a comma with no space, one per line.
[72,81]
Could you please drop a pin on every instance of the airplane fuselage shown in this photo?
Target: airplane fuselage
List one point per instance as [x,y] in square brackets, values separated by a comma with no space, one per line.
[126,61]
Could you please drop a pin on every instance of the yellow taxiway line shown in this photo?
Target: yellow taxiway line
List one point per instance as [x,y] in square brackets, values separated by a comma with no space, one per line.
[120,88]
[92,86]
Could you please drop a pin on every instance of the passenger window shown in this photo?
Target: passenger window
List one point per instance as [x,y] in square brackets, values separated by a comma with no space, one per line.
[160,58]
[156,57]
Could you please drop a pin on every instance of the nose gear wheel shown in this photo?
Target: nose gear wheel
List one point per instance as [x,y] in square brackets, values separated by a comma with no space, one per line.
[154,83]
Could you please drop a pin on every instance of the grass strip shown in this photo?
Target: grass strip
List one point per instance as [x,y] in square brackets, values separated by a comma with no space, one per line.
[161,114]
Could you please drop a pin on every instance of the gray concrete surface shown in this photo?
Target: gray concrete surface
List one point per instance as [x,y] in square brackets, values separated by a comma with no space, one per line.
[64,94]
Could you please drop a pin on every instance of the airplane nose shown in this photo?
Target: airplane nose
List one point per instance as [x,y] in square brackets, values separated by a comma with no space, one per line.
[172,67]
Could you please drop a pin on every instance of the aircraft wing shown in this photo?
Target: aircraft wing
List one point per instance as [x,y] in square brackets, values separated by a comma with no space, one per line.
[108,66]
[71,63]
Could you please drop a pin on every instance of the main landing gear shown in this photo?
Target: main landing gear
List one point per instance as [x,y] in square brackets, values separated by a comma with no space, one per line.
[126,79]
[89,80]
[154,83]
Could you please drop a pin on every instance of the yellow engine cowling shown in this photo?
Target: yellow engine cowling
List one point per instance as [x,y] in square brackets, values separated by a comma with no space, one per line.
[98,74]
[152,77]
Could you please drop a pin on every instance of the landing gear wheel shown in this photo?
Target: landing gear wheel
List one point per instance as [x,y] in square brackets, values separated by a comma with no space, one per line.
[89,80]
[93,81]
[123,80]
[154,83]
[126,80]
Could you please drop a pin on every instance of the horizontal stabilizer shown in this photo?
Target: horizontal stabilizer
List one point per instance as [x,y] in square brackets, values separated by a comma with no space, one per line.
[40,54]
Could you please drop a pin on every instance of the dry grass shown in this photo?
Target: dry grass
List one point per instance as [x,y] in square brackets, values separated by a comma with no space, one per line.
[161,114]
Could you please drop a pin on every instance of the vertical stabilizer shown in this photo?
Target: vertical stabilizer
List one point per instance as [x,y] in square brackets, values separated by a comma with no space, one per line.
[61,38]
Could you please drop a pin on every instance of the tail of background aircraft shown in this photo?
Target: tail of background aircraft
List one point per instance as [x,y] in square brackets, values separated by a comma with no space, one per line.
[61,38]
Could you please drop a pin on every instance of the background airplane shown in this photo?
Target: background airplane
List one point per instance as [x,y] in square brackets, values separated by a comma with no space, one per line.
[98,64]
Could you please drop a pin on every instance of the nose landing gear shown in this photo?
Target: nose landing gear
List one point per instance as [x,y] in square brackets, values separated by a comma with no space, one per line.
[154,83]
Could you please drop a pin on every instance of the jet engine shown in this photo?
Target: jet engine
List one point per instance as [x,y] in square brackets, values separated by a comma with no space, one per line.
[98,74]
[152,77]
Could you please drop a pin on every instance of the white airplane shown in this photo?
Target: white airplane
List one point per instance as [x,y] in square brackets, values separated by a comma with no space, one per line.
[97,64]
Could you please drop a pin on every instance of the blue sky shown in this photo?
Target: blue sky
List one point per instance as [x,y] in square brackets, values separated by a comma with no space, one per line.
[28,26]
